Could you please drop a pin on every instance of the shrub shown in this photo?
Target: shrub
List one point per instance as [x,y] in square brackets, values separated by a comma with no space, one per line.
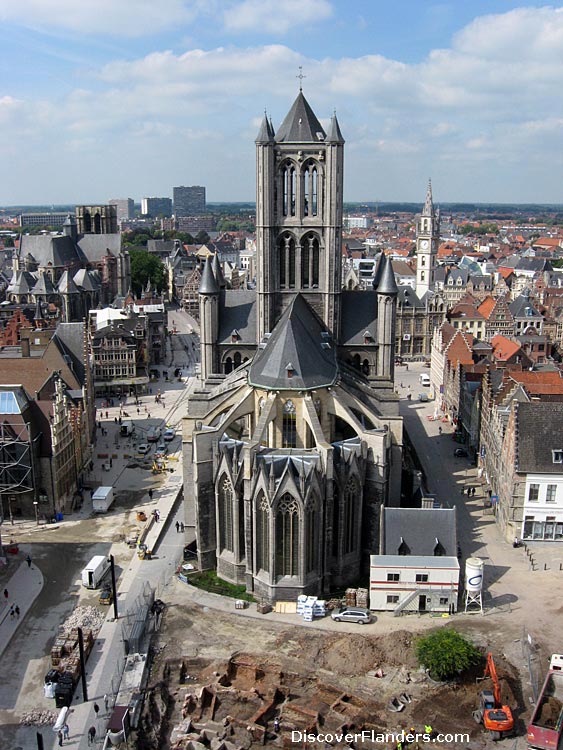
[446,653]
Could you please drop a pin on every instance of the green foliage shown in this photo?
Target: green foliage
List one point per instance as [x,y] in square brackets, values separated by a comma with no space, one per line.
[479,229]
[445,653]
[145,266]
[208,580]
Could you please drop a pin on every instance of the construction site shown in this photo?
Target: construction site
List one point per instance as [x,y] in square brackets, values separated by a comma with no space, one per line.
[225,682]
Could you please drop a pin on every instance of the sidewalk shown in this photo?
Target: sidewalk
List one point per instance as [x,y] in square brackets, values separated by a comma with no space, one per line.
[23,588]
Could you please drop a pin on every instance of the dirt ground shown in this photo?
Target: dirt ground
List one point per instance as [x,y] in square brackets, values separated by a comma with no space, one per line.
[233,676]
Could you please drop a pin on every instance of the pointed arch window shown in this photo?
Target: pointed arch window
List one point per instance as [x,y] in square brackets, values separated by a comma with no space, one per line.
[263,534]
[350,520]
[312,539]
[310,262]
[310,189]
[286,255]
[226,495]
[289,426]
[287,537]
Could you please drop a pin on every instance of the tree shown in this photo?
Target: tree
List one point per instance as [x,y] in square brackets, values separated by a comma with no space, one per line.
[145,266]
[445,653]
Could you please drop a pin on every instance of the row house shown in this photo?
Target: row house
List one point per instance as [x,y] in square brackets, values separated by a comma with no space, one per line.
[119,359]
[416,322]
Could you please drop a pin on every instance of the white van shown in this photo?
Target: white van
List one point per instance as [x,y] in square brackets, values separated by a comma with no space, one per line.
[425,380]
[95,571]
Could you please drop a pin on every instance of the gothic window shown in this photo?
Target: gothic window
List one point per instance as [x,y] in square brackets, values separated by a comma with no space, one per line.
[310,190]
[262,534]
[289,185]
[97,224]
[87,222]
[237,360]
[422,275]
[309,262]
[305,257]
[315,275]
[228,365]
[312,542]
[335,518]
[289,428]
[287,537]
[314,191]
[350,515]
[293,189]
[286,254]
[423,261]
[225,514]
[365,367]
[285,177]
[241,540]
[306,188]
[357,362]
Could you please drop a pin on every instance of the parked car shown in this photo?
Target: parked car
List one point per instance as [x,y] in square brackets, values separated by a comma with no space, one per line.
[461,453]
[169,435]
[352,614]
[143,448]
[106,597]
[423,397]
[161,449]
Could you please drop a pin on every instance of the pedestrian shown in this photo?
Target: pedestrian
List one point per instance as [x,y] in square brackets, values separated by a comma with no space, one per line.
[182,527]
[150,494]
[149,414]
[106,701]
[115,420]
[60,736]
[28,561]
[177,527]
[138,410]
[92,735]
[6,595]
[17,611]
[440,430]
[107,415]
[12,612]
[276,724]
[110,463]
[66,731]
[157,514]
[96,709]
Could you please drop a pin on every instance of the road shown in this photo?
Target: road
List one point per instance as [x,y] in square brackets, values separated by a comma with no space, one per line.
[61,551]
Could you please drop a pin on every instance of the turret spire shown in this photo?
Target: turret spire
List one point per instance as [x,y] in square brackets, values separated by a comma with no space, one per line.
[428,209]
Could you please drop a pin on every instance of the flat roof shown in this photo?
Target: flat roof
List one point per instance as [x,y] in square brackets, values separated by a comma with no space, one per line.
[413,561]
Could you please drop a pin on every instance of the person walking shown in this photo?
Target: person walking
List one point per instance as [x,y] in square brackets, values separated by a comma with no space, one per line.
[92,735]
[66,732]
[17,611]
[6,594]
[96,709]
[12,613]
[60,738]
[150,494]
[182,526]
[177,527]
[106,701]
[28,561]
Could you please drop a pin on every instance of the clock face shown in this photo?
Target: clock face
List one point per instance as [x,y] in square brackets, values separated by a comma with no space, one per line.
[424,244]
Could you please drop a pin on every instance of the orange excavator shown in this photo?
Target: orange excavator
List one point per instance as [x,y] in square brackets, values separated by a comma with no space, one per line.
[491,713]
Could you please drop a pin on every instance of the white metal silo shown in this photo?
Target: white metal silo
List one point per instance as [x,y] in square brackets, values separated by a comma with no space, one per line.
[474,582]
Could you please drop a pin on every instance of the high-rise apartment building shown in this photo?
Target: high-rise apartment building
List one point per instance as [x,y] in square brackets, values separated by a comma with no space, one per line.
[189,201]
[125,207]
[156,207]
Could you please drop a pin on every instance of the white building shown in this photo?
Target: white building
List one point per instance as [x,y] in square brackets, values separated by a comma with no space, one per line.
[543,507]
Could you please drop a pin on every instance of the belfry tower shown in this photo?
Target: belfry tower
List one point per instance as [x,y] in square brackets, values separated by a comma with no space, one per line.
[299,181]
[427,240]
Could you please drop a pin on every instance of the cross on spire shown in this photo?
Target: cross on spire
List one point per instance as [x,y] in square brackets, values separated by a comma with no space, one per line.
[301,77]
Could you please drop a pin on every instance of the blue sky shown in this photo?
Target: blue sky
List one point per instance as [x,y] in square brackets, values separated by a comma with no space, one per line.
[125,98]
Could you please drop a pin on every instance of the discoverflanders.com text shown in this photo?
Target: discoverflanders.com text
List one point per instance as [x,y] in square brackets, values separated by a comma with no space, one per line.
[403,737]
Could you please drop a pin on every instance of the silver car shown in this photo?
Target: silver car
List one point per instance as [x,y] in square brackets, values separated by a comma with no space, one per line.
[352,614]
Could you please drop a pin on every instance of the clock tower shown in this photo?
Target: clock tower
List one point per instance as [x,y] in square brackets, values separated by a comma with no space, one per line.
[427,239]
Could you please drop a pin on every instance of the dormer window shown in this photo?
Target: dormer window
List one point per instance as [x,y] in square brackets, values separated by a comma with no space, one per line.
[404,548]
[289,370]
[235,336]
[557,456]
[368,338]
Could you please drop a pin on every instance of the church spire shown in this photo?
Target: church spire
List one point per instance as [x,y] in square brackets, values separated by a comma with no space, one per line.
[428,209]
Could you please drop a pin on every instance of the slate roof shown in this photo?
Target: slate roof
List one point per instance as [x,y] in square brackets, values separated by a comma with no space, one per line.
[358,314]
[97,246]
[300,124]
[334,134]
[237,310]
[540,431]
[85,280]
[69,338]
[407,297]
[22,283]
[59,250]
[419,528]
[265,134]
[66,284]
[208,283]
[387,283]
[218,271]
[428,209]
[44,285]
[519,305]
[299,339]
[533,264]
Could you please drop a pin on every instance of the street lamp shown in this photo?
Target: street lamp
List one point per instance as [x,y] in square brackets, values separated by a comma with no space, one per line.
[35,504]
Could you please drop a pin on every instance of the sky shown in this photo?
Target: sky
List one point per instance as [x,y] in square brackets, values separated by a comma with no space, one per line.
[104,99]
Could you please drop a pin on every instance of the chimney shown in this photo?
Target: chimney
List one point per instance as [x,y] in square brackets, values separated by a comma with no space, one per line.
[25,347]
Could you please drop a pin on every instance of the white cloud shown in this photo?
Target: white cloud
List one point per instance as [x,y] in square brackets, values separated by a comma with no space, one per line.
[275,16]
[113,17]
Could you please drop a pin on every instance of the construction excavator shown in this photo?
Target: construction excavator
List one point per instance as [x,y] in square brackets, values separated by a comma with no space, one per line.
[491,713]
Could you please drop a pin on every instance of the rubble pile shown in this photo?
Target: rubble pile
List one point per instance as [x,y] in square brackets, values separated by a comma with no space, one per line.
[84,617]
[39,718]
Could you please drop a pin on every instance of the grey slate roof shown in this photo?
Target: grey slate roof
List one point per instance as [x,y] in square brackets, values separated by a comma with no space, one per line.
[407,297]
[237,311]
[265,134]
[44,285]
[419,528]
[522,307]
[97,246]
[85,280]
[208,283]
[300,339]
[540,431]
[69,337]
[358,314]
[428,209]
[59,250]
[334,135]
[387,283]
[22,283]
[218,272]
[66,284]
[300,124]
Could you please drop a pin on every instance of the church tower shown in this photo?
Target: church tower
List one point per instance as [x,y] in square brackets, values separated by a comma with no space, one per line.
[427,240]
[299,179]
